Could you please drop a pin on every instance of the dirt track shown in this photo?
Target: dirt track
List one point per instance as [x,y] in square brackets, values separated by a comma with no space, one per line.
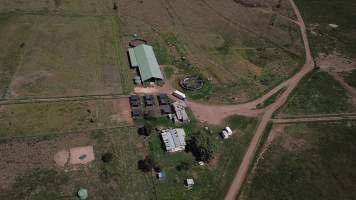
[291,84]
[320,118]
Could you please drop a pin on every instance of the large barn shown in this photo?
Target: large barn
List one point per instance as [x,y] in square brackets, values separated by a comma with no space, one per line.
[143,58]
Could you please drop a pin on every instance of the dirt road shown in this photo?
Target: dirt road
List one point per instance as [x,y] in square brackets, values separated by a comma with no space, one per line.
[291,84]
[326,118]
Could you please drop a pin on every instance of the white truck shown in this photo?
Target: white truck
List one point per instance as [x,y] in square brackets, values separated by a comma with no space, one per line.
[179,95]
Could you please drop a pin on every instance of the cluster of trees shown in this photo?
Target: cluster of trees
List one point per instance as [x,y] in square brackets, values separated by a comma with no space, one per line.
[202,146]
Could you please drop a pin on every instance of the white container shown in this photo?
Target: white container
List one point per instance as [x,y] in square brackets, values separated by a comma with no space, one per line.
[224,134]
[179,95]
[228,130]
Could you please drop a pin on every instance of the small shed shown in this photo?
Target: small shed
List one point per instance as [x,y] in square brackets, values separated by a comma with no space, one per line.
[189,183]
[161,175]
[137,80]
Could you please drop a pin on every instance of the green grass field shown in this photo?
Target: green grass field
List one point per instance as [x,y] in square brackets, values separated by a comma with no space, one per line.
[118,179]
[13,31]
[61,48]
[67,56]
[212,181]
[322,13]
[318,93]
[308,161]
[23,120]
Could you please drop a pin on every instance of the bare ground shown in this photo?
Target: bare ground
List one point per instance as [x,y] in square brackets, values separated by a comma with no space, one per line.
[81,155]
[336,65]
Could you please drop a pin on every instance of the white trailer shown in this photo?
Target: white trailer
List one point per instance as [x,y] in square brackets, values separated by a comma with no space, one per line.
[179,95]
[228,130]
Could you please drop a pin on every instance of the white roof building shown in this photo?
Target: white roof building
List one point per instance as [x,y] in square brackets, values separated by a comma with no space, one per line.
[189,182]
[174,139]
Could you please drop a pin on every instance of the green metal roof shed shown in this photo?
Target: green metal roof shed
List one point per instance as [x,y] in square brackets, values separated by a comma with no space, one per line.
[144,58]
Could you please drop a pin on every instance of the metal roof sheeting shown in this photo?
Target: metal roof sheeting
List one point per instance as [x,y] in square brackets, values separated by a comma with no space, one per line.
[133,60]
[144,57]
[174,139]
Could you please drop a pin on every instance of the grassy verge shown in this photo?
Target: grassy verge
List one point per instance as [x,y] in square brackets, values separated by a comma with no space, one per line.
[309,161]
[351,78]
[272,99]
[318,93]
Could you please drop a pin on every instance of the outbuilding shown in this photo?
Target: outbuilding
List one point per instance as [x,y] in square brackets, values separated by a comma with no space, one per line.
[174,139]
[189,183]
[161,175]
[143,58]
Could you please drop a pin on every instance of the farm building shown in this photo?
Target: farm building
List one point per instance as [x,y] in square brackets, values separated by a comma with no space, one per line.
[180,112]
[189,183]
[174,139]
[143,58]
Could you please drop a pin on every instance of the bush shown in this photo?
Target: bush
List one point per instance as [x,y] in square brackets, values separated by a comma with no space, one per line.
[107,157]
[202,147]
[146,165]
[146,130]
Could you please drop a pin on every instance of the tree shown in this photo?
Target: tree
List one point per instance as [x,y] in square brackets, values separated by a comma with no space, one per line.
[107,157]
[146,165]
[146,130]
[115,6]
[202,147]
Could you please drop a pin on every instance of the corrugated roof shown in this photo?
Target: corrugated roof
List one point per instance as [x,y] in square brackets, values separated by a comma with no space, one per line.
[174,139]
[146,61]
[132,57]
